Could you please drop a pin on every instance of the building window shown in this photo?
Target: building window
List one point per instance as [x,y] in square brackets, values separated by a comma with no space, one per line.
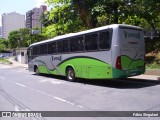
[22,53]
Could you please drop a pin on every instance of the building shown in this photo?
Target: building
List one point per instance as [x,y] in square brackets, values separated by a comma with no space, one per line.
[33,17]
[0,32]
[12,21]
[21,55]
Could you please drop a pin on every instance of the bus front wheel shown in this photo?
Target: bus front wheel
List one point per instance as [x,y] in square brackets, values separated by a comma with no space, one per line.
[70,74]
[37,71]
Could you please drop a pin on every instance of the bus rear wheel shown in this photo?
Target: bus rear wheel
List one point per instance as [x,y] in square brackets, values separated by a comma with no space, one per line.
[70,74]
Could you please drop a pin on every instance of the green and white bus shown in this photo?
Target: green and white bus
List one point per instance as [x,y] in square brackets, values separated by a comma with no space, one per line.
[113,51]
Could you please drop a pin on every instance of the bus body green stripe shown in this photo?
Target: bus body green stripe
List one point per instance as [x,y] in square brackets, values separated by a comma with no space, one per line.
[130,67]
[89,68]
[128,63]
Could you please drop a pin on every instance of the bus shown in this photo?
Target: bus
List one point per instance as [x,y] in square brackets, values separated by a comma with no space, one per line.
[113,51]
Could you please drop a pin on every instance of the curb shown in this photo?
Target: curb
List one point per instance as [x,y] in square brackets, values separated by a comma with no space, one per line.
[147,78]
[6,63]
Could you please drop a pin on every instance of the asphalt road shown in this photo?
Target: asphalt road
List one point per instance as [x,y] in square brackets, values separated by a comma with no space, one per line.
[21,90]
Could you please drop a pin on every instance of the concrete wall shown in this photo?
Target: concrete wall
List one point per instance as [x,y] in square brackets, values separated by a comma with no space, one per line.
[6,54]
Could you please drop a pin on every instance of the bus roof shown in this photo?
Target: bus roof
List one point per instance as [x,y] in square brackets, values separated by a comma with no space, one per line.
[114,26]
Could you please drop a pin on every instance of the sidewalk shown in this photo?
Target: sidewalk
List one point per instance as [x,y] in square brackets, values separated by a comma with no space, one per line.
[147,77]
[15,63]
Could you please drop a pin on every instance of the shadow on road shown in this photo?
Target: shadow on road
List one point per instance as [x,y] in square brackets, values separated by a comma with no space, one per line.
[126,83]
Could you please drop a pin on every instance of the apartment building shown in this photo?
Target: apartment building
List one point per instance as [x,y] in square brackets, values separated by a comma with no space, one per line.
[10,22]
[0,32]
[33,17]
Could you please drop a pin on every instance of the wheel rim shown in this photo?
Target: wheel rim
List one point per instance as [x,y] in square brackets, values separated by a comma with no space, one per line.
[70,74]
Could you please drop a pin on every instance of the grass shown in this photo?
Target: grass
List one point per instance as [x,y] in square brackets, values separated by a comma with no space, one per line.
[3,60]
[153,66]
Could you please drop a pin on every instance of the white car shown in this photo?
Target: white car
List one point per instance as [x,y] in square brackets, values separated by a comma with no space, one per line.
[2,56]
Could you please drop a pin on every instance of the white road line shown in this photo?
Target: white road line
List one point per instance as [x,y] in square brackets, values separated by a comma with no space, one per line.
[17,108]
[20,84]
[80,106]
[51,81]
[60,99]
[2,78]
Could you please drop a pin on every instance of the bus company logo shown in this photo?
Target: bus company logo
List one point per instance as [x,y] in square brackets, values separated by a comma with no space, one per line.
[134,35]
[6,114]
[58,58]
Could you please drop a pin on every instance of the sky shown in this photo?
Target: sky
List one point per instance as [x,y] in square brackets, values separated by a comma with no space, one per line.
[19,6]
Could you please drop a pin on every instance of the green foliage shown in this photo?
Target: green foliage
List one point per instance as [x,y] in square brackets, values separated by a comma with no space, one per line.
[3,60]
[19,38]
[22,37]
[44,18]
[76,15]
[3,44]
[13,37]
[64,19]
[93,13]
[2,47]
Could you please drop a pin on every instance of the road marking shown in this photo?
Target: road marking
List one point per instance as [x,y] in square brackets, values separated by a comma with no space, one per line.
[58,98]
[51,81]
[17,108]
[2,78]
[49,95]
[80,106]
[20,84]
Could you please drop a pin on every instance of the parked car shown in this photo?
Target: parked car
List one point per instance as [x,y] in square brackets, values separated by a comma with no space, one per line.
[2,56]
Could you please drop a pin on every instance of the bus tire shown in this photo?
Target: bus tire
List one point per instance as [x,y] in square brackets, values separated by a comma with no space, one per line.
[70,74]
[37,71]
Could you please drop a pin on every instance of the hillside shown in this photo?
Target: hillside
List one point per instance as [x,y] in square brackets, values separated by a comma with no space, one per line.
[152,53]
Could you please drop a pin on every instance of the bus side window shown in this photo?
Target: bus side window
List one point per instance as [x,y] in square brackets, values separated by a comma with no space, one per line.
[104,40]
[29,52]
[76,44]
[65,46]
[91,41]
[35,50]
[43,49]
[52,49]
[60,46]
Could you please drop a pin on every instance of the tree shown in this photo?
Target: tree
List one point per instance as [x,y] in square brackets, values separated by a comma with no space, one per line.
[84,9]
[3,46]
[24,37]
[19,38]
[13,37]
[44,18]
[64,18]
[148,10]
[94,13]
